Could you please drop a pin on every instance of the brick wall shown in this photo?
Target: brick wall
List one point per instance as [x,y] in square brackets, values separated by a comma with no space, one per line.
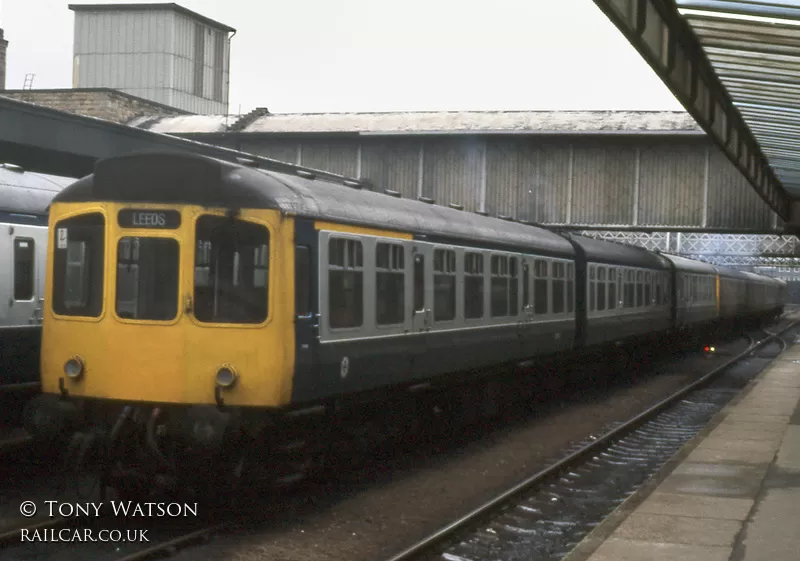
[107,104]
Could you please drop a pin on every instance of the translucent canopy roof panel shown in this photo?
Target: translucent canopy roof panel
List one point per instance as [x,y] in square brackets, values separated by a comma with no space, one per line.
[754,49]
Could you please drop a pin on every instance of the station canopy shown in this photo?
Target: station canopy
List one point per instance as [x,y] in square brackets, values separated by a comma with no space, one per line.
[735,66]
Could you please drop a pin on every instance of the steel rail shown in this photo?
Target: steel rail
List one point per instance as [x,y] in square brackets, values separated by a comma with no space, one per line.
[15,536]
[170,546]
[447,531]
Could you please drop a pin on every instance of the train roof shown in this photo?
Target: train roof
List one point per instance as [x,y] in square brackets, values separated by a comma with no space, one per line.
[25,192]
[733,274]
[620,254]
[690,265]
[200,180]
[762,278]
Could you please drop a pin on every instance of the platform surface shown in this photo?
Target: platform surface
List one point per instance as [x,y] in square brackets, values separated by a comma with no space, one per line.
[734,497]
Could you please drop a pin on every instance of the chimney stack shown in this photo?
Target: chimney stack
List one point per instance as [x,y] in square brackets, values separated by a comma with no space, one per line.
[3,47]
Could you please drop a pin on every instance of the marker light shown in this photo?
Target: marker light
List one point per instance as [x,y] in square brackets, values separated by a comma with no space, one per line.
[226,377]
[73,368]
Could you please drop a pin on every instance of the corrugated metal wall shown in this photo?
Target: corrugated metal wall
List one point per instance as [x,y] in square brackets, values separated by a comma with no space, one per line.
[603,177]
[392,164]
[529,180]
[453,171]
[149,54]
[337,157]
[732,203]
[579,181]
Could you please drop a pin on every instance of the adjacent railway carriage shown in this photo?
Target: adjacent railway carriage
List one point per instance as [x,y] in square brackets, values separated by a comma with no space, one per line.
[201,302]
[628,291]
[24,198]
[732,296]
[695,292]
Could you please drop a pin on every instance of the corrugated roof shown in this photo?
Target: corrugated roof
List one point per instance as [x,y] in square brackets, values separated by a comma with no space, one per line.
[754,48]
[445,122]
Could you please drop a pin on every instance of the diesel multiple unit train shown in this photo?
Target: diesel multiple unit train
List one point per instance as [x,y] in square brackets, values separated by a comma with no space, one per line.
[195,306]
[24,198]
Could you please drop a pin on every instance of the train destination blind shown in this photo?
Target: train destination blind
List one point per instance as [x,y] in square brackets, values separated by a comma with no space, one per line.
[155,219]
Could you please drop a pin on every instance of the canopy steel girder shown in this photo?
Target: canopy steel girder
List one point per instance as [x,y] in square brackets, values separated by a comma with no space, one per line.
[49,141]
[666,41]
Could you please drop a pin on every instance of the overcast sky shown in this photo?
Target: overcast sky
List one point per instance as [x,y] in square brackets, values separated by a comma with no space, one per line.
[366,55]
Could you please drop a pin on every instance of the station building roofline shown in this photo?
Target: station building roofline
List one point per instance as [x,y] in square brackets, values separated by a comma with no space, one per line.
[431,122]
[165,6]
[33,94]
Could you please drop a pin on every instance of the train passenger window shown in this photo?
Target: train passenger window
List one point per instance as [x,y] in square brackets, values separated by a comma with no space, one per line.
[444,285]
[570,287]
[78,265]
[513,286]
[345,283]
[526,296]
[667,292]
[658,291]
[419,283]
[302,281]
[24,257]
[147,278]
[231,270]
[558,288]
[612,288]
[639,289]
[473,285]
[601,289]
[540,272]
[499,286]
[390,286]
[630,289]
[648,281]
[592,287]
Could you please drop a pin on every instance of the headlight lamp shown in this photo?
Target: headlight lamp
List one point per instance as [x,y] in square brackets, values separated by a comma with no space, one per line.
[73,368]
[226,377]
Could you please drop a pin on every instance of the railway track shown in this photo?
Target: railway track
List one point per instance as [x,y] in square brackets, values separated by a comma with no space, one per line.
[546,515]
[102,538]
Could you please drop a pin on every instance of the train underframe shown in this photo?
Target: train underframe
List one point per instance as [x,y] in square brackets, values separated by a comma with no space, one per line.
[144,448]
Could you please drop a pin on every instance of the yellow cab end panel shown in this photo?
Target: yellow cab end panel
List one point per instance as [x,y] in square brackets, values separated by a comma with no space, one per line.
[175,360]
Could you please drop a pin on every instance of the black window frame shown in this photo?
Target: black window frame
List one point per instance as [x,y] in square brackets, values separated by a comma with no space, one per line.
[387,272]
[29,269]
[90,230]
[352,264]
[241,260]
[302,281]
[474,285]
[558,276]
[157,285]
[445,283]
[541,286]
